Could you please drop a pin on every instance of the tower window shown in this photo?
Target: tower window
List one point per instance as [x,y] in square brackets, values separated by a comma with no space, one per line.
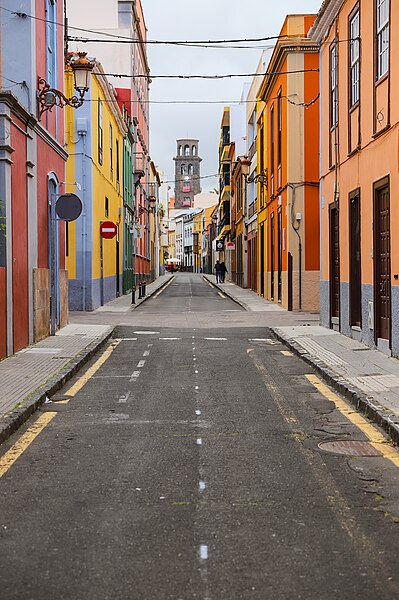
[190,169]
[194,150]
[186,150]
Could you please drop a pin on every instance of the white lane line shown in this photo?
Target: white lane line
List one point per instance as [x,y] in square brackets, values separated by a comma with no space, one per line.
[199,441]
[194,358]
[146,353]
[197,387]
[196,372]
[202,486]
[193,337]
[198,412]
[140,364]
[194,349]
[216,339]
[126,340]
[146,332]
[231,310]
[150,345]
[261,340]
[124,398]
[170,338]
[203,552]
[135,375]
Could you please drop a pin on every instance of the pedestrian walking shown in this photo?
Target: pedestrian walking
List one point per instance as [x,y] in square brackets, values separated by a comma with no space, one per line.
[223,271]
[218,272]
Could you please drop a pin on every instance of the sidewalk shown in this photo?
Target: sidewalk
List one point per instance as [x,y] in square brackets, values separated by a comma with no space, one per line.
[39,371]
[367,377]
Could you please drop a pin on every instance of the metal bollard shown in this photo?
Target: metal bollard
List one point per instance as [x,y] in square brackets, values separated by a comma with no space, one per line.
[140,291]
[144,286]
[133,294]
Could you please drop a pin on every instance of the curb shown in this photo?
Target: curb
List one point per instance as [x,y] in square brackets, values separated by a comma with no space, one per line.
[11,422]
[370,407]
[226,293]
[148,296]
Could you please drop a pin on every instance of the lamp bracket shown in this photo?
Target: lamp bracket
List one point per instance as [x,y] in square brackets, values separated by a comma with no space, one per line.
[45,91]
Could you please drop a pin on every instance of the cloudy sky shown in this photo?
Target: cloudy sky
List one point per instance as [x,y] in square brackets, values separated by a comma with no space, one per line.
[204,19]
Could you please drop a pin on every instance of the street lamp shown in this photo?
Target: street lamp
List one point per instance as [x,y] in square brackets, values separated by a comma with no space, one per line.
[49,97]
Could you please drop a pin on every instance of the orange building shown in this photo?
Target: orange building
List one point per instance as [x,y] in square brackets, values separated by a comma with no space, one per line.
[288,169]
[359,63]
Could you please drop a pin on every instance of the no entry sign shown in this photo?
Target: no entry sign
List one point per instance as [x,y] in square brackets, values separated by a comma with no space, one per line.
[108,230]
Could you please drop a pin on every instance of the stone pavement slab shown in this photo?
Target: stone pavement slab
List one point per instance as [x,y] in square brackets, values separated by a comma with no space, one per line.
[32,374]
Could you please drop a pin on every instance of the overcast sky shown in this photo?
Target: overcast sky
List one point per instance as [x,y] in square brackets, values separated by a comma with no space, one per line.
[204,19]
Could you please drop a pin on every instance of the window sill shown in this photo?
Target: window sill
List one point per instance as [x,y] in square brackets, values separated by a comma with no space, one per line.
[384,130]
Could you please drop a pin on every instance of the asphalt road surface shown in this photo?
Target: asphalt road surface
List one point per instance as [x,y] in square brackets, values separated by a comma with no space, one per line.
[186,465]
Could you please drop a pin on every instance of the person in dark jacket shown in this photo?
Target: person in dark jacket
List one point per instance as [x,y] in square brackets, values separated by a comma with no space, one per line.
[218,272]
[223,271]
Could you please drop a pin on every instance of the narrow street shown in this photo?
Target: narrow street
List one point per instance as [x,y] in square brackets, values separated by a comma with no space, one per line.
[184,463]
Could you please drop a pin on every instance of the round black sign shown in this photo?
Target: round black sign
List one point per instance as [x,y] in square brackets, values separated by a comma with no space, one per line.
[219,245]
[68,207]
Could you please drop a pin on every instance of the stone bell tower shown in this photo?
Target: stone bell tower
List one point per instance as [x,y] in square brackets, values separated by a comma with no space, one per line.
[187,173]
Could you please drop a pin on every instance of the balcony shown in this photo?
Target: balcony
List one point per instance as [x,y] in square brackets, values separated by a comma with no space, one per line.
[153,191]
[251,210]
[224,224]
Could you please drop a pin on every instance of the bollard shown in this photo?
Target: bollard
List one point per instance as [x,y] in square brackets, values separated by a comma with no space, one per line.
[133,294]
[144,286]
[140,291]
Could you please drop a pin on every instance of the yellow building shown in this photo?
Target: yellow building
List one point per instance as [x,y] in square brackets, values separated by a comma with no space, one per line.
[94,137]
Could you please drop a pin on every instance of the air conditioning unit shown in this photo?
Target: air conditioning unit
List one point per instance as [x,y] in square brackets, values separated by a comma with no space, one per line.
[370,317]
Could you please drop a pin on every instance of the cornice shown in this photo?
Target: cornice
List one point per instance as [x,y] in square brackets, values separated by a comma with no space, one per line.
[109,94]
[325,17]
[50,140]
[282,50]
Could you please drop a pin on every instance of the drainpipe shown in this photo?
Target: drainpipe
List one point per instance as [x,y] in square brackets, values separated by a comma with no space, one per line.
[295,226]
[84,221]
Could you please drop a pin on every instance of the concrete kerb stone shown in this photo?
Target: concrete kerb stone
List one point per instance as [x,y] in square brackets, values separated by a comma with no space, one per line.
[13,421]
[226,293]
[152,293]
[372,409]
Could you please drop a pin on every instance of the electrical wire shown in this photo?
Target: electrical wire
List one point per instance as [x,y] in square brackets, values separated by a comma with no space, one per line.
[208,77]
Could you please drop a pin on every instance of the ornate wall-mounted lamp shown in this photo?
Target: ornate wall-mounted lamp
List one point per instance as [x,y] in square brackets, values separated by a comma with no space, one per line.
[49,97]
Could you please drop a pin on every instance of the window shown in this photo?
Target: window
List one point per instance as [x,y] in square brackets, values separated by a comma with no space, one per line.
[183,169]
[333,86]
[51,42]
[272,152]
[190,169]
[106,207]
[180,150]
[100,132]
[354,53]
[117,160]
[382,25]
[279,126]
[111,155]
[186,150]
[194,149]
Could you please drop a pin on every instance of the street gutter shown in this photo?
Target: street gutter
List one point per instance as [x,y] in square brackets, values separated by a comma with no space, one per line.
[226,293]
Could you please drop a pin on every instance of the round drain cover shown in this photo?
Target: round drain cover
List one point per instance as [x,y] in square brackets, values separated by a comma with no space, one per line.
[350,448]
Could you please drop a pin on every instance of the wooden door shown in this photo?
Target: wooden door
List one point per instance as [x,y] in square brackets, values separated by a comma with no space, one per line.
[355,280]
[272,256]
[279,255]
[382,263]
[334,263]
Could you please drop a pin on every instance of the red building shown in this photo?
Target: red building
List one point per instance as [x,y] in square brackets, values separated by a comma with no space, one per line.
[32,173]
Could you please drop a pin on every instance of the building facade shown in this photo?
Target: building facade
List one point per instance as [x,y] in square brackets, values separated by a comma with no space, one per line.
[33,279]
[126,19]
[287,170]
[187,173]
[95,143]
[359,62]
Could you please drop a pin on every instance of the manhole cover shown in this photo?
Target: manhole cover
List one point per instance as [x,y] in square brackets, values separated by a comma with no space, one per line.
[350,448]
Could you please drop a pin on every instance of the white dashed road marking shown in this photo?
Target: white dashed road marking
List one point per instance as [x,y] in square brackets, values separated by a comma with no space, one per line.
[216,339]
[204,552]
[135,375]
[146,332]
[199,441]
[140,364]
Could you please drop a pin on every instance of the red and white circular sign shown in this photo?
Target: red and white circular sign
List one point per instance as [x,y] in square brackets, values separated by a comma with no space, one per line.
[108,230]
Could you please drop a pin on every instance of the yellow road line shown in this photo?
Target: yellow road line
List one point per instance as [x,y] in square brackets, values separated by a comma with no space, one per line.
[286,353]
[376,438]
[77,386]
[24,441]
[221,295]
[164,288]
